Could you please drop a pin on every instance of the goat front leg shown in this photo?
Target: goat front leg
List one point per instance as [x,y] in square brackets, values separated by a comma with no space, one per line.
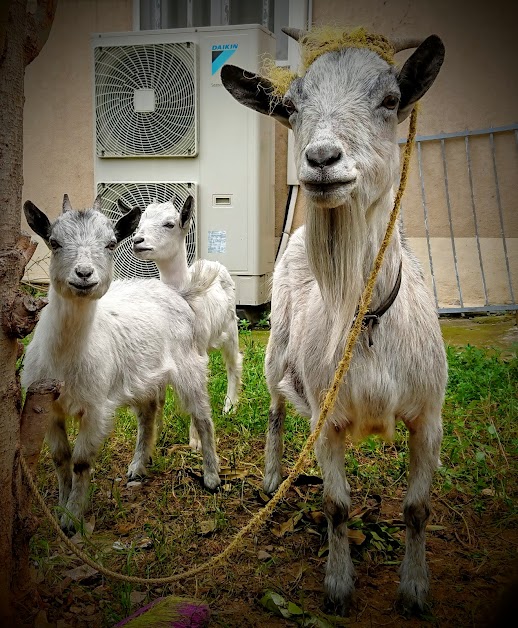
[425,443]
[146,438]
[339,579]
[234,365]
[191,387]
[61,453]
[93,429]
[274,444]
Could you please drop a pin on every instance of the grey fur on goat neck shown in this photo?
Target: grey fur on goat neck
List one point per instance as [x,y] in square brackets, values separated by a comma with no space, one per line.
[344,114]
[113,344]
[160,237]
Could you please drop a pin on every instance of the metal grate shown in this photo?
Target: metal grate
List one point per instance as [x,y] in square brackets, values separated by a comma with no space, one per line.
[145,100]
[481,212]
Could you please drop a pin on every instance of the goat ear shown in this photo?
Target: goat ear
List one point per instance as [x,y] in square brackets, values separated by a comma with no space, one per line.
[37,220]
[123,208]
[98,203]
[127,224]
[67,206]
[253,91]
[418,73]
[186,212]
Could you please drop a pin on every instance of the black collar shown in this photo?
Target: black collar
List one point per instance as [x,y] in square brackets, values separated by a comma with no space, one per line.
[373,318]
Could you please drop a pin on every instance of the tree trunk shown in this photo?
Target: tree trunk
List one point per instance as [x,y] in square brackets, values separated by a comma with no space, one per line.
[22,34]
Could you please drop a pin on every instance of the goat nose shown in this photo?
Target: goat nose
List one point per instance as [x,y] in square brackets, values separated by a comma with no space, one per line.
[138,240]
[84,271]
[321,155]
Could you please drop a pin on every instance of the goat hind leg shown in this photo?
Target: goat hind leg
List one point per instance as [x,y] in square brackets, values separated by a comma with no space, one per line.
[234,366]
[194,397]
[339,579]
[425,442]
[274,444]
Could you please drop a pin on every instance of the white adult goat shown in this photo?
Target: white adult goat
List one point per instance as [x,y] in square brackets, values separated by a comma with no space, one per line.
[113,344]
[160,237]
[344,113]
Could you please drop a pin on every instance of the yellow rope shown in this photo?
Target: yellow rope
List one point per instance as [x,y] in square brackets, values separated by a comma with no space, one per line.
[327,407]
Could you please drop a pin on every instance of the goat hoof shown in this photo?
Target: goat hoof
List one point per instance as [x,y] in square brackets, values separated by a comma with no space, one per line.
[67,526]
[271,483]
[195,444]
[341,608]
[211,482]
[408,604]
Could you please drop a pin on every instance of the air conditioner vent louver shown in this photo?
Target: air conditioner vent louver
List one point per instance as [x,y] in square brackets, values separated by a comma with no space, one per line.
[145,100]
[126,265]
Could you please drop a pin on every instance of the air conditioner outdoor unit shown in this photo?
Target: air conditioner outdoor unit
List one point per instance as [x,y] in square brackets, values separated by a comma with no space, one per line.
[165,127]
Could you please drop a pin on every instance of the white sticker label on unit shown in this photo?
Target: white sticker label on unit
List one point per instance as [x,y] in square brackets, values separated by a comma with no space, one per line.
[217,242]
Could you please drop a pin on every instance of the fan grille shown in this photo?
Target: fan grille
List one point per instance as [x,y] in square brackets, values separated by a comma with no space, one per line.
[165,74]
[126,265]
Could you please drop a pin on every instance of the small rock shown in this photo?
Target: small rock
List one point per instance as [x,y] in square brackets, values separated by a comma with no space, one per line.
[134,484]
[262,555]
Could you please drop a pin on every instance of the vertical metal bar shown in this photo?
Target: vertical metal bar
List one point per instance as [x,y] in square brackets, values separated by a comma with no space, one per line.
[425,211]
[266,14]
[502,229]
[475,221]
[156,15]
[189,13]
[448,205]
[225,12]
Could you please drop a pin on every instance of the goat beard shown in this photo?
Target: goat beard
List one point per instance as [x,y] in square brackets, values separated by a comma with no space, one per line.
[336,247]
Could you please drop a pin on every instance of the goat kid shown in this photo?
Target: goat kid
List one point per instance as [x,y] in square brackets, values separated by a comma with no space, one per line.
[161,237]
[112,344]
[344,113]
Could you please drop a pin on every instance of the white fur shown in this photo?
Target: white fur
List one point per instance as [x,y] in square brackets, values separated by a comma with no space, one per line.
[345,131]
[160,237]
[112,346]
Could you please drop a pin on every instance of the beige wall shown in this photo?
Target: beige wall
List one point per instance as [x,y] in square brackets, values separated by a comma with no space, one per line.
[58,122]
[475,89]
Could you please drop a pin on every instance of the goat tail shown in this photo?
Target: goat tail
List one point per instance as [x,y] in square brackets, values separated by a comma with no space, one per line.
[203,274]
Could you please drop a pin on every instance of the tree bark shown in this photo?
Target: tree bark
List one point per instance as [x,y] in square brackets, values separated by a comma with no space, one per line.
[22,35]
[35,418]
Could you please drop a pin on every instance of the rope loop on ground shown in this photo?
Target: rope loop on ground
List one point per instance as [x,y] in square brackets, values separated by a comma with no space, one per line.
[327,407]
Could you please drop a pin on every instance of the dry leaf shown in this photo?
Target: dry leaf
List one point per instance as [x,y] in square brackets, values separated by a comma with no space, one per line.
[226,473]
[124,528]
[136,597]
[355,536]
[80,573]
[206,527]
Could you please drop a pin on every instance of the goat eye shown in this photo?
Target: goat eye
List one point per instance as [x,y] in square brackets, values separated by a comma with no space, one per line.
[390,102]
[169,225]
[289,106]
[54,244]
[111,245]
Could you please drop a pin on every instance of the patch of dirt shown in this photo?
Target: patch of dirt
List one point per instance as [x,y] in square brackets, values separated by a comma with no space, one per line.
[170,523]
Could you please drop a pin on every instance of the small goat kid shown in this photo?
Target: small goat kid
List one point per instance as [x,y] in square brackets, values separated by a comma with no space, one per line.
[160,237]
[344,113]
[113,344]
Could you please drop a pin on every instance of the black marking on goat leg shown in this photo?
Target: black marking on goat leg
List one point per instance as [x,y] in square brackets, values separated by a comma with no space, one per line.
[81,467]
[335,513]
[416,516]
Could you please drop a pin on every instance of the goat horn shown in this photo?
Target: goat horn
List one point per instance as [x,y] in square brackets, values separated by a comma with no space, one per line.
[295,33]
[66,207]
[97,203]
[403,43]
